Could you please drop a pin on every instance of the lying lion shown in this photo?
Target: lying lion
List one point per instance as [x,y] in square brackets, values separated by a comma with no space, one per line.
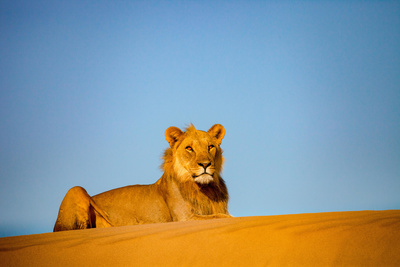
[191,188]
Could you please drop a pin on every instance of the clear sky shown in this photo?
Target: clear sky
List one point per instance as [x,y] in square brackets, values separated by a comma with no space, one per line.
[308,92]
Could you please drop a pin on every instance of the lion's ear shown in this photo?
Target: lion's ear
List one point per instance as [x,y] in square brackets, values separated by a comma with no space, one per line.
[172,134]
[218,132]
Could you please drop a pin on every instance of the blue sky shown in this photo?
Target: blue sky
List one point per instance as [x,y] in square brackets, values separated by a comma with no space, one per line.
[308,92]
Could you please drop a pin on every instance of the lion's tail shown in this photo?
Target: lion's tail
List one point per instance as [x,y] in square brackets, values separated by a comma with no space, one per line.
[100,212]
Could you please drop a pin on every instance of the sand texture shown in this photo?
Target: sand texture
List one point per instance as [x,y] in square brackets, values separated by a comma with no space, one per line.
[362,238]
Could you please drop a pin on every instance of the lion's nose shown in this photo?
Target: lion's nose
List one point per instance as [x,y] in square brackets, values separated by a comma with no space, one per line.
[205,164]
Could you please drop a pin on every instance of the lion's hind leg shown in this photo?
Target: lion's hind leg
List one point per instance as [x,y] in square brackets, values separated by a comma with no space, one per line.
[77,211]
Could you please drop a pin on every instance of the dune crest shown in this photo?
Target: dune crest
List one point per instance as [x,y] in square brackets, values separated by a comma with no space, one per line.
[362,238]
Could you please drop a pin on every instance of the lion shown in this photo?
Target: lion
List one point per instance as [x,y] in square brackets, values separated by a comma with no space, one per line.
[191,188]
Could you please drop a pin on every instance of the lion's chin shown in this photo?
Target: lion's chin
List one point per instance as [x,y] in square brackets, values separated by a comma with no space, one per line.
[204,179]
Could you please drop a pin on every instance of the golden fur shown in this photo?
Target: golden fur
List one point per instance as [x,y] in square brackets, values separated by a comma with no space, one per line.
[191,188]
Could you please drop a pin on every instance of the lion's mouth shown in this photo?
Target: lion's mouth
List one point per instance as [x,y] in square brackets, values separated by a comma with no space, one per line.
[204,173]
[204,178]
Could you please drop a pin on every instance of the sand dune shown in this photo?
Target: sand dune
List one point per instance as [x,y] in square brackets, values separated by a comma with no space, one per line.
[362,238]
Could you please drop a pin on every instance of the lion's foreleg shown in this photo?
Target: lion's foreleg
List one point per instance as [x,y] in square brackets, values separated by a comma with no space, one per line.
[208,217]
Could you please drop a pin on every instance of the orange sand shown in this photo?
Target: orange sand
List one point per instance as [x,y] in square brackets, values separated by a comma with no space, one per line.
[362,238]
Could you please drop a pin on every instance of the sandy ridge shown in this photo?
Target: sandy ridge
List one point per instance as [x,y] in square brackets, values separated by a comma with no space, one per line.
[362,238]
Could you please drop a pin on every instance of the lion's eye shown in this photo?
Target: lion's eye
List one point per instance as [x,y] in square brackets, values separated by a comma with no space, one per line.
[189,148]
[210,147]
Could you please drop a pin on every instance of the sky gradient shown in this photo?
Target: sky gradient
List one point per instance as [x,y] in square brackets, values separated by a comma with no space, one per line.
[308,92]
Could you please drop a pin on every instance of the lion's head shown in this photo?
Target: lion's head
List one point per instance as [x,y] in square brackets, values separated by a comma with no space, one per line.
[195,155]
